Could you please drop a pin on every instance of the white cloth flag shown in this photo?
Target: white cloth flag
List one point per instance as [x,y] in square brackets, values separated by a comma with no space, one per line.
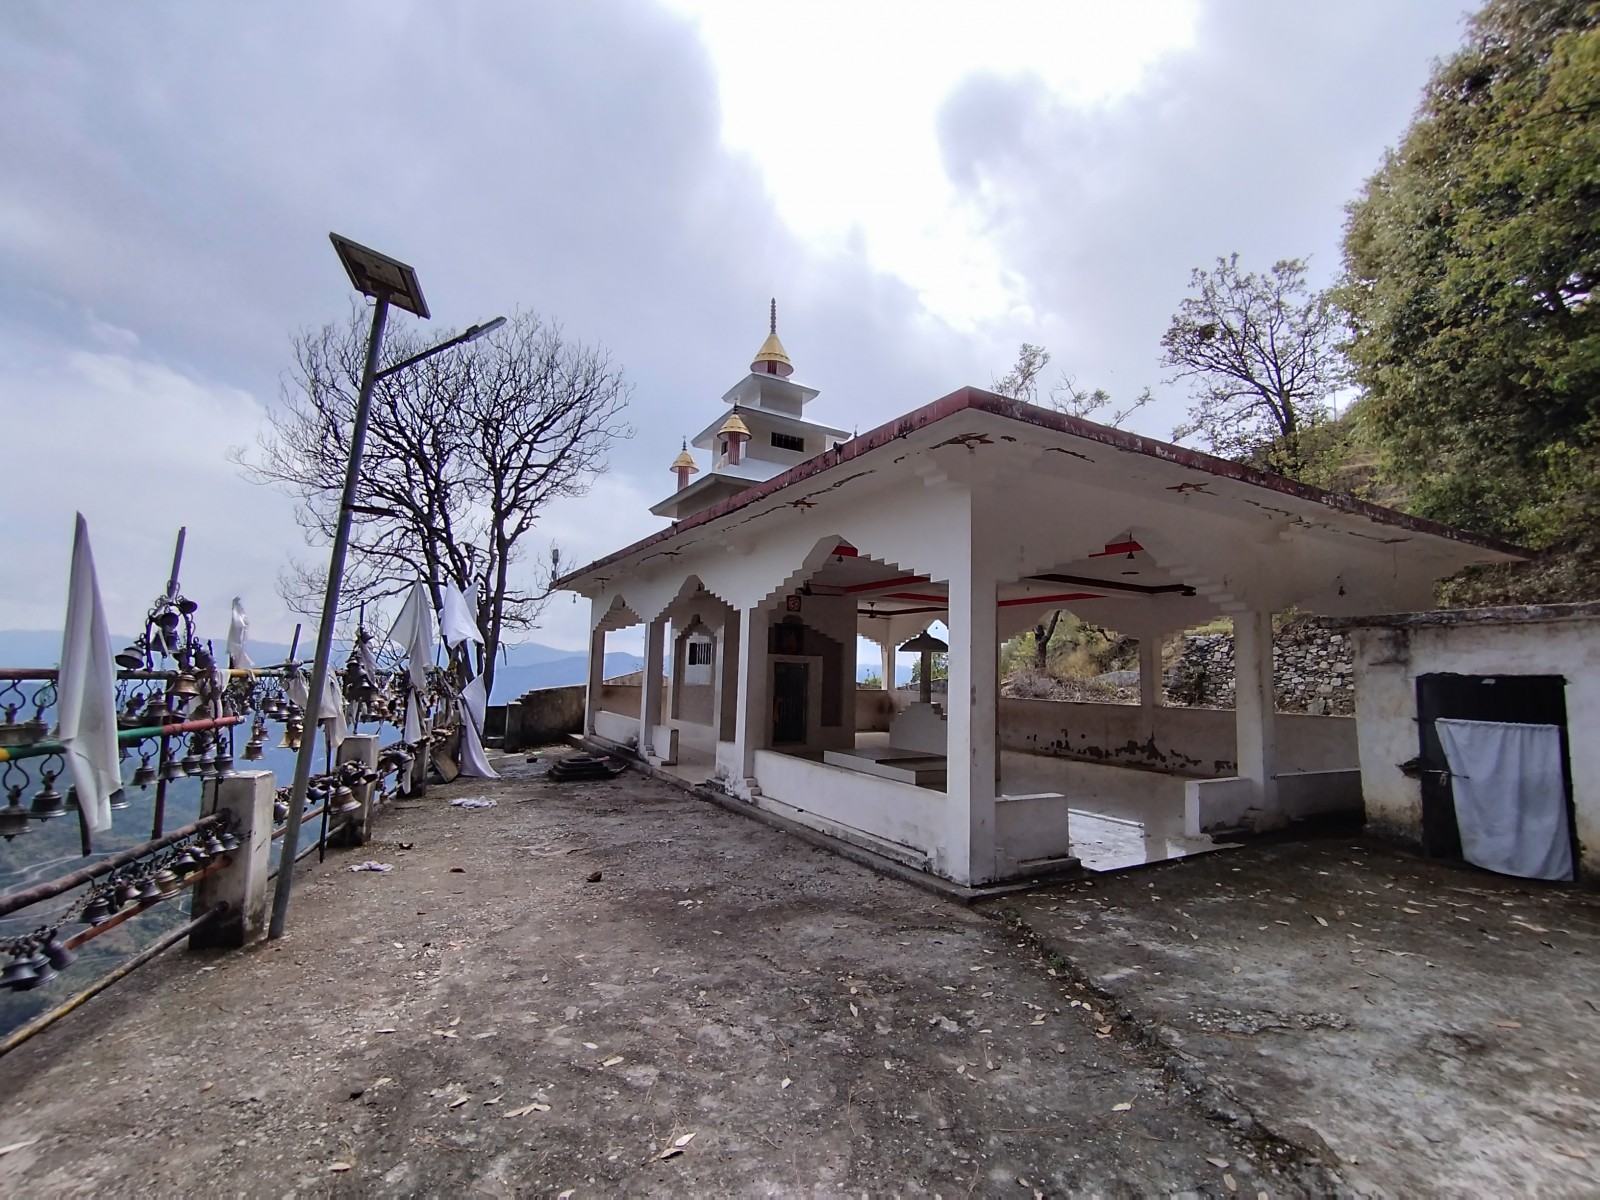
[457,624]
[1511,799]
[238,630]
[86,692]
[413,629]
[474,707]
[329,708]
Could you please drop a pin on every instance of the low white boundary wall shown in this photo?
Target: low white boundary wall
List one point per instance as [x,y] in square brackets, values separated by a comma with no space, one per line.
[840,802]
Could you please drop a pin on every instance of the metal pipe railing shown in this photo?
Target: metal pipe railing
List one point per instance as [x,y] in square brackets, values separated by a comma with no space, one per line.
[48,748]
[42,1022]
[13,901]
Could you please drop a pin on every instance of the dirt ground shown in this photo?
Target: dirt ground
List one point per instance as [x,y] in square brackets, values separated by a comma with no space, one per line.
[725,1010]
[1424,1028]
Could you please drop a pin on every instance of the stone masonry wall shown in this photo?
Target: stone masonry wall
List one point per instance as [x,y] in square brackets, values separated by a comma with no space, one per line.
[1312,670]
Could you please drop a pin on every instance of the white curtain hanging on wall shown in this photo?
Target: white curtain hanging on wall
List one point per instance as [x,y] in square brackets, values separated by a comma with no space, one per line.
[1511,800]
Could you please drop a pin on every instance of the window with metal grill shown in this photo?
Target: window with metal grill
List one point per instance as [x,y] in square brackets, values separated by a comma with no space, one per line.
[784,441]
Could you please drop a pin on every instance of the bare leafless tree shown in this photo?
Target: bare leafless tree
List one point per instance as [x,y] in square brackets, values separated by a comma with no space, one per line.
[464,451]
[1262,353]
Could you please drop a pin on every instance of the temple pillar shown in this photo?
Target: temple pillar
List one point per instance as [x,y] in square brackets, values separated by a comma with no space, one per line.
[753,719]
[597,672]
[725,701]
[972,698]
[1150,673]
[1254,709]
[886,649]
[650,671]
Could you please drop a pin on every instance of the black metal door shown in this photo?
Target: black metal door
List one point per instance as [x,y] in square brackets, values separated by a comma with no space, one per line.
[789,702]
[1514,699]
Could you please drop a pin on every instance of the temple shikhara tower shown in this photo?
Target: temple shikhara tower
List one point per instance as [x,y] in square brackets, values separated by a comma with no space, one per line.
[763,432]
[791,540]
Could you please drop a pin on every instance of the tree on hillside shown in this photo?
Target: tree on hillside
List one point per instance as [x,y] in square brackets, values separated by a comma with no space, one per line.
[1261,353]
[463,452]
[1471,259]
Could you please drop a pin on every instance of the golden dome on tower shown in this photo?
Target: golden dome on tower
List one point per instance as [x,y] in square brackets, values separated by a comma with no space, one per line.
[684,462]
[735,424]
[771,359]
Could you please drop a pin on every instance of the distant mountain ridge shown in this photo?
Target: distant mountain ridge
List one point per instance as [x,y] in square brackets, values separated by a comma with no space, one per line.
[522,668]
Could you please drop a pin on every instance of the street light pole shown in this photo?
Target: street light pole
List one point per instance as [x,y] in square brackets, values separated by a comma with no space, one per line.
[387,281]
[330,609]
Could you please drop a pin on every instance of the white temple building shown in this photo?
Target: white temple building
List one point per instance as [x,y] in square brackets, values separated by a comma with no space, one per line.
[983,513]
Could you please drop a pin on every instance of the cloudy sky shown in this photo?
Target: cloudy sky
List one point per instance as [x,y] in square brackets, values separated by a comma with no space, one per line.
[923,185]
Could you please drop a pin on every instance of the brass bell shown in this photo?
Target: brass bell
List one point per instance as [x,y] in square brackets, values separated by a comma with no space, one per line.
[183,864]
[156,711]
[126,892]
[172,770]
[130,658]
[43,972]
[224,763]
[208,766]
[230,843]
[150,893]
[97,910]
[253,749]
[19,974]
[280,811]
[56,952]
[47,802]
[144,774]
[213,845]
[166,883]
[190,762]
[291,736]
[185,685]
[344,800]
[13,817]
[120,800]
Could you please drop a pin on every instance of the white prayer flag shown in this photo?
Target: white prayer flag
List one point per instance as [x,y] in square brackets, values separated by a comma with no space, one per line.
[457,622]
[238,629]
[86,691]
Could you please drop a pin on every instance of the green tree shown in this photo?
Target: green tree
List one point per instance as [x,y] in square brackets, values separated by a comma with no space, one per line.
[1471,261]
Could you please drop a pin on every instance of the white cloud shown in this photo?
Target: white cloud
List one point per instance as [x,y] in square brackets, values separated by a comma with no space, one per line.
[140,448]
[837,101]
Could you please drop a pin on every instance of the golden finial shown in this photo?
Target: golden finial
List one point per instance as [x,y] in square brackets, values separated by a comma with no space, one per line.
[771,358]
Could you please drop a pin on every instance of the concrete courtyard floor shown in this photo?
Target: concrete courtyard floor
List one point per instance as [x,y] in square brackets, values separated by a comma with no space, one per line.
[1423,1028]
[483,1019]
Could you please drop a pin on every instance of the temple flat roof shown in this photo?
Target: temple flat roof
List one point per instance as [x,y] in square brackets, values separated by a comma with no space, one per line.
[978,419]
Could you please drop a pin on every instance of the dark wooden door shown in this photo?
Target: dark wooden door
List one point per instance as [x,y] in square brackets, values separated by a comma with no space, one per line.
[789,703]
[1513,699]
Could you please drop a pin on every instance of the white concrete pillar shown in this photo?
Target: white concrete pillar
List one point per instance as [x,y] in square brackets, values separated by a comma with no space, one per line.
[1254,710]
[886,649]
[655,641]
[680,663]
[973,669]
[248,795]
[597,672]
[752,726]
[725,704]
[361,748]
[1150,673]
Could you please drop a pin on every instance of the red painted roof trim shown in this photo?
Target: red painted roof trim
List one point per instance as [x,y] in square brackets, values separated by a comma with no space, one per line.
[976,400]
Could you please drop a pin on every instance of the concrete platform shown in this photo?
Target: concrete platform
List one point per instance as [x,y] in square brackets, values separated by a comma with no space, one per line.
[916,767]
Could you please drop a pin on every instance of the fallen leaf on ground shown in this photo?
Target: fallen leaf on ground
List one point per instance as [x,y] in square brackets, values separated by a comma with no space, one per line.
[786,1082]
[1570,1152]
[1323,921]
[528,1108]
[384,1031]
[1229,1182]
[1123,1107]
[612,1061]
[677,1147]
[206,1087]
[5,1150]
[590,1046]
[459,1101]
[1509,1024]
[1220,1163]
[341,1166]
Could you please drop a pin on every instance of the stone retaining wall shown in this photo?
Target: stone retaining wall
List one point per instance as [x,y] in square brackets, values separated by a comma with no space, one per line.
[1313,670]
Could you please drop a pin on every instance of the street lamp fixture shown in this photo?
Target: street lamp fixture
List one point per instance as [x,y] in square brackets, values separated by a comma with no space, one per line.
[389,282]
